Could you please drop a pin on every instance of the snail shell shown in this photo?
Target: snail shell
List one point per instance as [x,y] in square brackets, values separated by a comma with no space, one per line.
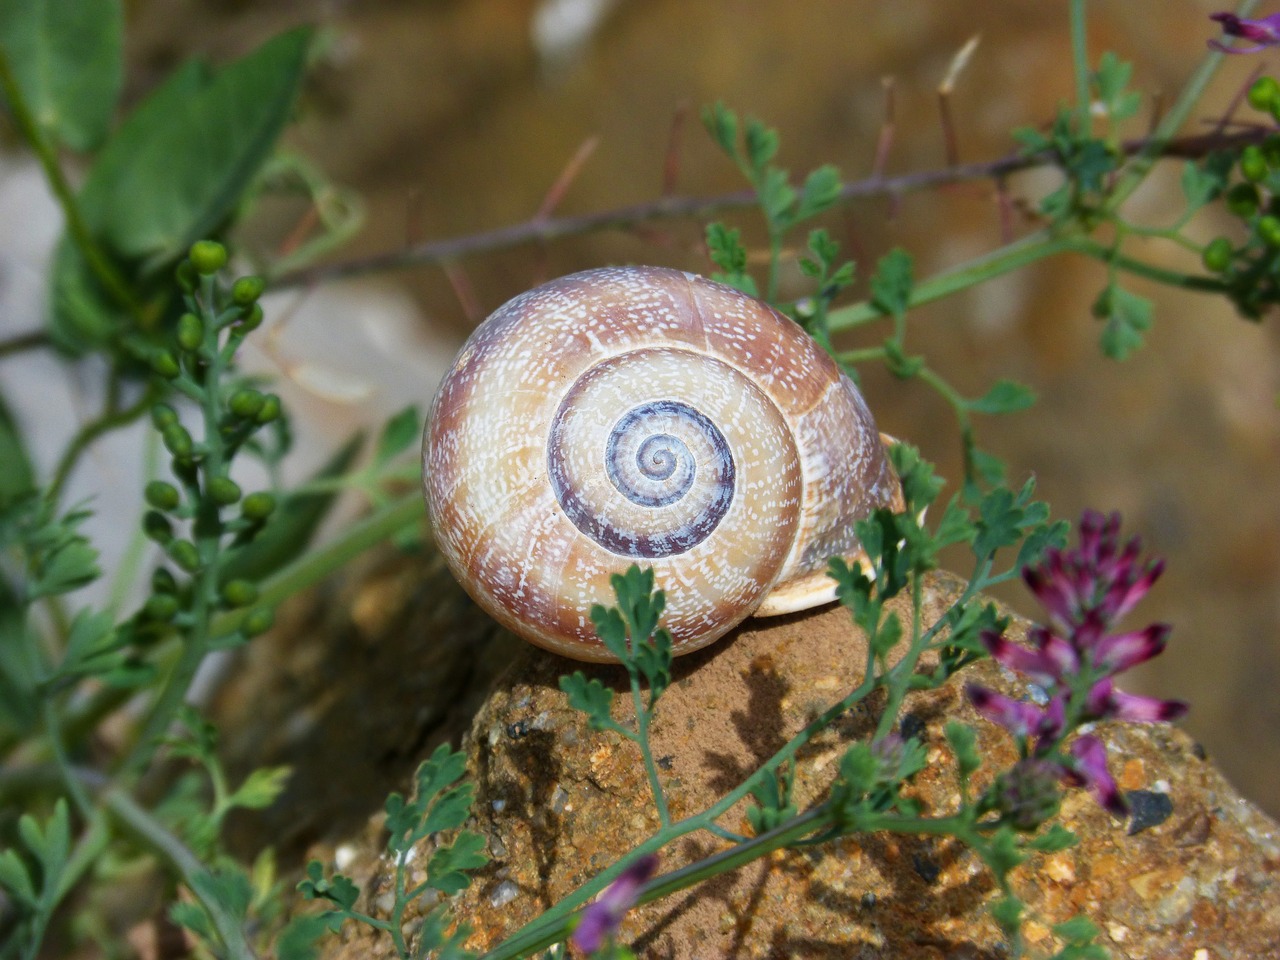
[646,415]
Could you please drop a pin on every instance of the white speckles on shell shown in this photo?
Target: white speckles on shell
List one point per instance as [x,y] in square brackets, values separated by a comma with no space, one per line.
[806,457]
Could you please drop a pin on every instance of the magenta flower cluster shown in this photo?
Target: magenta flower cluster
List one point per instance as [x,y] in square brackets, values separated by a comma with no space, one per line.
[1085,591]
[1262,33]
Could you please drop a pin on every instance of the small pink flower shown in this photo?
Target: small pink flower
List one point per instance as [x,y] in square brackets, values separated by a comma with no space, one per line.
[1091,771]
[1263,32]
[604,915]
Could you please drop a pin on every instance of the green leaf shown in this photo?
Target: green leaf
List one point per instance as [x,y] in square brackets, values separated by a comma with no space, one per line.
[399,433]
[722,124]
[15,878]
[963,743]
[820,192]
[1079,930]
[762,145]
[725,248]
[777,197]
[66,60]
[448,866]
[591,697]
[1007,911]
[336,889]
[260,788]
[1111,78]
[182,161]
[450,810]
[1203,182]
[192,917]
[17,476]
[1006,396]
[1004,852]
[892,283]
[1055,838]
[297,941]
[1128,317]
[653,660]
[443,767]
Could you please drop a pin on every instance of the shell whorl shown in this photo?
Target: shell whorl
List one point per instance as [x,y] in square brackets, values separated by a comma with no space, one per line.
[646,415]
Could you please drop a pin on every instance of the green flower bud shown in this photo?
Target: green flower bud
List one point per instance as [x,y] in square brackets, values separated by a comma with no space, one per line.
[239,593]
[246,403]
[1269,230]
[190,332]
[270,409]
[162,581]
[1217,255]
[177,440]
[258,621]
[157,527]
[162,495]
[162,415]
[222,490]
[1242,199]
[252,318]
[161,606]
[1263,93]
[1271,151]
[1253,165]
[185,555]
[208,256]
[164,363]
[258,506]
[247,290]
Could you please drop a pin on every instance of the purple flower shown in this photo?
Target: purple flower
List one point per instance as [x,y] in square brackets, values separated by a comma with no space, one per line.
[1085,591]
[1263,32]
[604,915]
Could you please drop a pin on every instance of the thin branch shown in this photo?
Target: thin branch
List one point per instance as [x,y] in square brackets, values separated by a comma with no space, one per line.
[19,343]
[569,174]
[705,207]
[885,140]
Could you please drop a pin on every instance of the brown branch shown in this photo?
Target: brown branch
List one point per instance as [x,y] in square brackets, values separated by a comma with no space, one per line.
[543,231]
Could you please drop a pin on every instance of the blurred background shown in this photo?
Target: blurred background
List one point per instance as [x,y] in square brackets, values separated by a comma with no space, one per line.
[450,117]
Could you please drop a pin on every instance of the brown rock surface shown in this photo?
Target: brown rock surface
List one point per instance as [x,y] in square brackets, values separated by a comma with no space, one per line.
[559,802]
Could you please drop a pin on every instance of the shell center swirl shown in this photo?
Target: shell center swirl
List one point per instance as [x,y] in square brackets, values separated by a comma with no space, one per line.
[651,482]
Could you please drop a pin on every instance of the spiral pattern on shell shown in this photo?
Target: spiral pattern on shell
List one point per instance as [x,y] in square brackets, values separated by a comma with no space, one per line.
[646,415]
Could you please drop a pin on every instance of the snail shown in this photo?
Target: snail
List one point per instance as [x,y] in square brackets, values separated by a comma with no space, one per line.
[646,415]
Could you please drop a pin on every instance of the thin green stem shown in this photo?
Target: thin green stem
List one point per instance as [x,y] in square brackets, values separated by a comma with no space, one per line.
[112,418]
[53,731]
[103,269]
[144,827]
[1014,256]
[22,342]
[1081,69]
[643,718]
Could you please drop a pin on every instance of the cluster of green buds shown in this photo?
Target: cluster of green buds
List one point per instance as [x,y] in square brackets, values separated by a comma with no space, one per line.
[1250,270]
[203,512]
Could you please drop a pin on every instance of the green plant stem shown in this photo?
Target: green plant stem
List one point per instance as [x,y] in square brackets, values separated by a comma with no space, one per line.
[139,822]
[103,269]
[112,418]
[23,342]
[53,731]
[643,719]
[899,676]
[1020,253]
[1081,69]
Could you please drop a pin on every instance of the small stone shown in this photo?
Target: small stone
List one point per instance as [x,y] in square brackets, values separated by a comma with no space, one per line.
[503,894]
[1147,809]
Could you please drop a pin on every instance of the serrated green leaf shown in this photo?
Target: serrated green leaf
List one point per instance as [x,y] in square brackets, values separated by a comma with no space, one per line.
[399,434]
[653,660]
[297,941]
[1128,317]
[1205,181]
[66,60]
[450,809]
[1004,851]
[722,124]
[1079,930]
[260,788]
[589,696]
[777,197]
[892,283]
[612,630]
[1005,396]
[1007,911]
[228,887]
[820,192]
[448,867]
[442,768]
[336,889]
[761,144]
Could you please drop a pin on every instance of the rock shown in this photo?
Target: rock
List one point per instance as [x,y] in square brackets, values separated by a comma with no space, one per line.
[558,802]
